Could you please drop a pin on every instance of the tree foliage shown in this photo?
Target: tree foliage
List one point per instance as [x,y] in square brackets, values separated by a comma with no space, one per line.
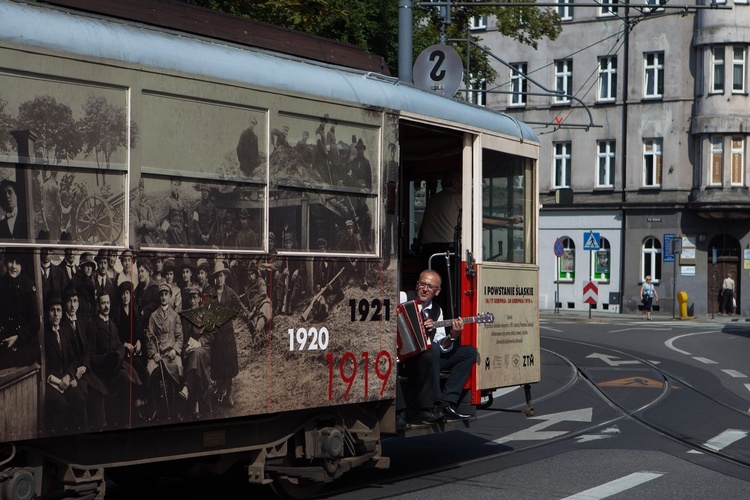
[104,129]
[373,25]
[58,139]
[7,142]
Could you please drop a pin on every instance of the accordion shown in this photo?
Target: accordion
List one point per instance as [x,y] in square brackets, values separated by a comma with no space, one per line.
[411,339]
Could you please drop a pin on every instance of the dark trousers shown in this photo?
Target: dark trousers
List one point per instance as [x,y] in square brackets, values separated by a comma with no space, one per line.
[726,301]
[416,392]
[458,362]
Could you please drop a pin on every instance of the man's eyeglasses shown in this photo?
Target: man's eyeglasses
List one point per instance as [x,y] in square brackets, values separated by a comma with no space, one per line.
[430,287]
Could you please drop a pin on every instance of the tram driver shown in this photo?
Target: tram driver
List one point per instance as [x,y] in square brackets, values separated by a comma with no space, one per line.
[427,401]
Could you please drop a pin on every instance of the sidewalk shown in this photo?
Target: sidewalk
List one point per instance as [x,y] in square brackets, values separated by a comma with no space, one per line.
[607,317]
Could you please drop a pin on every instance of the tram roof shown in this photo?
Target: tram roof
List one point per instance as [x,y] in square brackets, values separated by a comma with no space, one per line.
[88,35]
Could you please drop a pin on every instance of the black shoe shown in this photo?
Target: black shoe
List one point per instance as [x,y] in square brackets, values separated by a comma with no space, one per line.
[401,423]
[451,412]
[426,416]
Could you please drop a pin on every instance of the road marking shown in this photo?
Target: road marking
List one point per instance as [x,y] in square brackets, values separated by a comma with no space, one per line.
[505,390]
[617,486]
[607,433]
[610,360]
[723,440]
[638,382]
[670,343]
[535,433]
[705,360]
[747,386]
[734,373]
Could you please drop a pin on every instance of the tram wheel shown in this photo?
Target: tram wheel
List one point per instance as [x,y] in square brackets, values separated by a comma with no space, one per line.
[295,487]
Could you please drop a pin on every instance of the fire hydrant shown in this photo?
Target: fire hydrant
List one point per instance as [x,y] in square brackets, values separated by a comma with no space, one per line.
[682,298]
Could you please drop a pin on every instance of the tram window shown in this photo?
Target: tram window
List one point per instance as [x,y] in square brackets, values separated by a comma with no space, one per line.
[506,205]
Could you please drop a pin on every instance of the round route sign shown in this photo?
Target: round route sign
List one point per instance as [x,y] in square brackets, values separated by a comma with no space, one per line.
[439,69]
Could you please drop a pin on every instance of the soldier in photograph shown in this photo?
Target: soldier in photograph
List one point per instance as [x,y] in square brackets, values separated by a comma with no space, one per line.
[64,399]
[226,237]
[360,171]
[196,357]
[246,237]
[19,318]
[350,242]
[143,218]
[303,149]
[177,215]
[164,343]
[205,217]
[247,149]
[290,277]
[14,224]
[258,303]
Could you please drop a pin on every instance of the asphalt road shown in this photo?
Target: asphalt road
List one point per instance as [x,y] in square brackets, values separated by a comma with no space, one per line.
[626,409]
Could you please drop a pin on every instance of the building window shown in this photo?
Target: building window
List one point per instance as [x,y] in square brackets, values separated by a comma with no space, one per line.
[605,154]
[563,80]
[478,23]
[518,83]
[653,66]
[608,8]
[738,70]
[656,3]
[652,162]
[567,262]
[651,259]
[561,167]
[477,88]
[607,78]
[717,69]
[565,9]
[738,161]
[600,260]
[717,160]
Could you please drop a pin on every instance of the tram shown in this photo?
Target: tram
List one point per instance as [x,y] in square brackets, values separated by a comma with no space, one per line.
[203,248]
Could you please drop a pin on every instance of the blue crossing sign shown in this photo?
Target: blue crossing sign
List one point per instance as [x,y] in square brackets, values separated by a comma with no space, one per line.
[591,241]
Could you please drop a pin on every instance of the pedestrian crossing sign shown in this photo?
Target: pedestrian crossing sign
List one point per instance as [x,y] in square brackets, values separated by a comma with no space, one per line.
[591,241]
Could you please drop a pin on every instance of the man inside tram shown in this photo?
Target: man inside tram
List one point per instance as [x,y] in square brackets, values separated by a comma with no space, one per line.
[427,401]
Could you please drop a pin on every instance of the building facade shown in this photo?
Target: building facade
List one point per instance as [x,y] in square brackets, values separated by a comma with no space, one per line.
[644,112]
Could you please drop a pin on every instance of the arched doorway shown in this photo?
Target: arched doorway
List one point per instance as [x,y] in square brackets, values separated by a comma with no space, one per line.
[726,263]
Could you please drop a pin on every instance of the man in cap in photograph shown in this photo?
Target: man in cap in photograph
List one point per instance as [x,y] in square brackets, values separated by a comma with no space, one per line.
[246,237]
[164,343]
[247,149]
[196,356]
[52,278]
[64,400]
[68,264]
[19,319]
[205,217]
[360,171]
[143,218]
[227,234]
[177,215]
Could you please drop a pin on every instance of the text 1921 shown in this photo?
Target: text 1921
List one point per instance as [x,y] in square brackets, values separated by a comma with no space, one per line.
[361,310]
[347,371]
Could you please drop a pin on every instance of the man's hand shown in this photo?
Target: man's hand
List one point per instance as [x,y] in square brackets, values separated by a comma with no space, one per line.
[457,325]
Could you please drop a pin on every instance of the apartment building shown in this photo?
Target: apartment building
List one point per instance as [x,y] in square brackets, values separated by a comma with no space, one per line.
[644,112]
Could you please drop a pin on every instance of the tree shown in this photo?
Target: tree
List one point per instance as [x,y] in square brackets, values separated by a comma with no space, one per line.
[373,25]
[58,139]
[104,129]
[7,142]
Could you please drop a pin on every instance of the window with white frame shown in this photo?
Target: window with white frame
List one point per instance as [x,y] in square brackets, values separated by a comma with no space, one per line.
[738,69]
[607,78]
[717,69]
[600,261]
[717,160]
[652,162]
[653,73]
[478,23]
[477,94]
[605,157]
[518,83]
[563,80]
[608,8]
[738,161]
[566,268]
[651,259]
[561,167]
[656,5]
[565,9]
